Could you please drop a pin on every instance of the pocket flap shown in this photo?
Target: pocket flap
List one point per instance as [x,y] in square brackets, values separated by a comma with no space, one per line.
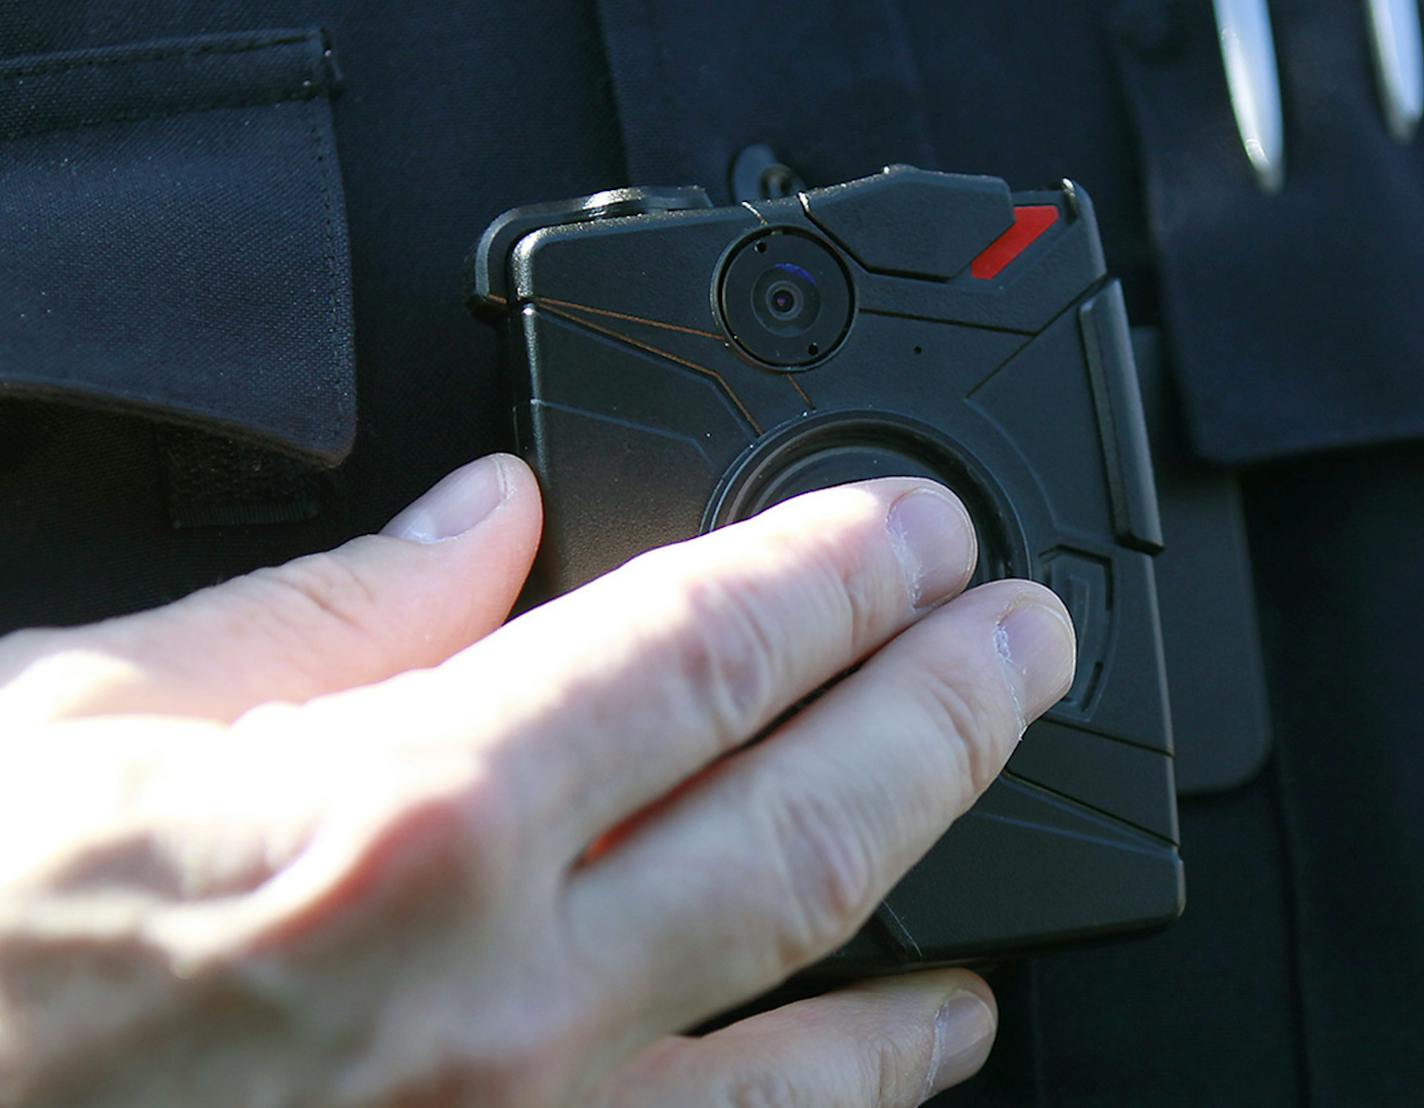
[173,237]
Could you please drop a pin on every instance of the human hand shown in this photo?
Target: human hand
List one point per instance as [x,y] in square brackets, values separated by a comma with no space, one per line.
[320,835]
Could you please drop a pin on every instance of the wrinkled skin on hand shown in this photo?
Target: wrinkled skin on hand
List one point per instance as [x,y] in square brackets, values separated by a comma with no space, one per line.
[321,835]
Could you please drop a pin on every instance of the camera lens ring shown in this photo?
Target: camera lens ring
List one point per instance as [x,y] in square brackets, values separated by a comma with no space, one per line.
[785,298]
[835,447]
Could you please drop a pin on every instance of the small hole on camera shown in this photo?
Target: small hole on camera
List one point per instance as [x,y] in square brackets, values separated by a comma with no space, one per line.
[813,349]
[761,248]
[919,350]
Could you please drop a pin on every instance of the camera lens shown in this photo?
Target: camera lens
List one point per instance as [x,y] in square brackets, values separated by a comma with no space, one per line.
[785,298]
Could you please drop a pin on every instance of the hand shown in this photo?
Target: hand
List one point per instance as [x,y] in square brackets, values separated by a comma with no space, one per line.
[321,835]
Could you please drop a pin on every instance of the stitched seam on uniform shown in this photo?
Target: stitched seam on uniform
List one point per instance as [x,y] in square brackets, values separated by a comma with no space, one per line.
[298,94]
[329,254]
[70,64]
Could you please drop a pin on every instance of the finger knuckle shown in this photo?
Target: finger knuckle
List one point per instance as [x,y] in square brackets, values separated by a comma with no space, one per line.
[532,1050]
[828,873]
[321,588]
[505,1082]
[861,595]
[727,655]
[843,581]
[894,1067]
[493,835]
[763,1087]
[410,815]
[968,718]
[466,830]
[515,1081]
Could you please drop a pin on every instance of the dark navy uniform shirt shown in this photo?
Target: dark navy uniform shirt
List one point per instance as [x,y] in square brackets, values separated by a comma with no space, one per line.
[231,332]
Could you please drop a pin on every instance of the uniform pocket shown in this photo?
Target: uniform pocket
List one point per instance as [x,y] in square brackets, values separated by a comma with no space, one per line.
[173,237]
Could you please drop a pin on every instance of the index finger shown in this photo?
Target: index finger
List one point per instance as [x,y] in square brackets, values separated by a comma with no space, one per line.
[599,702]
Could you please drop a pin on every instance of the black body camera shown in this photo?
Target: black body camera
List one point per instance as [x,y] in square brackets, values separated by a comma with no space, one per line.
[679,366]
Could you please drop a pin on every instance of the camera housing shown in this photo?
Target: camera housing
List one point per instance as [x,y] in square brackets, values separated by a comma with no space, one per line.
[678,366]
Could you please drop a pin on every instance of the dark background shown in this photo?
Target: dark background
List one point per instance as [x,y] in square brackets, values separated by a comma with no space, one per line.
[1291,324]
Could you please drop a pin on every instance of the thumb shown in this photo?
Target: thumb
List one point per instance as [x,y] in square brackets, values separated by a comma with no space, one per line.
[442,574]
[891,1043]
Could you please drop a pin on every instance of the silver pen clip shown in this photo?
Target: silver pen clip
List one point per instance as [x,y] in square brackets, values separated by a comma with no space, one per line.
[1249,55]
[1399,63]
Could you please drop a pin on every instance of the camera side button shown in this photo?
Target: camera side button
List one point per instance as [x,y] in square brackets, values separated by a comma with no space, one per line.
[1122,428]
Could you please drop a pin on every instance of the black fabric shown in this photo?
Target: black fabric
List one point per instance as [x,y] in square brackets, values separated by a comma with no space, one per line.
[1294,976]
[172,223]
[1339,543]
[684,123]
[1294,319]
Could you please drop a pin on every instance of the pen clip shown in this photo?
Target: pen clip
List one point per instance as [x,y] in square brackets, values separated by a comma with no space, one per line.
[1398,57]
[1249,56]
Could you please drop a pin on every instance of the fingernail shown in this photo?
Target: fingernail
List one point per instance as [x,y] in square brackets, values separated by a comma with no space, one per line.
[1035,642]
[964,1034]
[934,538]
[454,505]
